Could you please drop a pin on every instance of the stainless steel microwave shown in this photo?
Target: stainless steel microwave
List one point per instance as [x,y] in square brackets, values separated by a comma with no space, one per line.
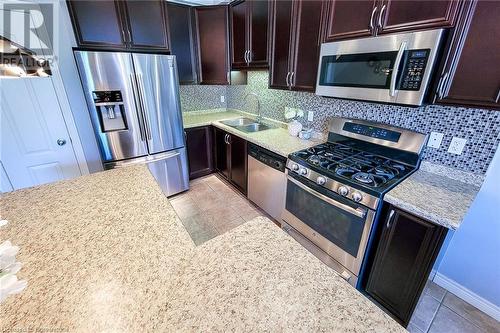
[394,68]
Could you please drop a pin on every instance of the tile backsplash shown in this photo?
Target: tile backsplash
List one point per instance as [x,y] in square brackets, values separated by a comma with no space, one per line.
[480,127]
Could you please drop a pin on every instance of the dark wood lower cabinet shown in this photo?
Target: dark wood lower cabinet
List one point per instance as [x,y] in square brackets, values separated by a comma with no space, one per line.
[231,158]
[221,152]
[238,162]
[406,252]
[199,142]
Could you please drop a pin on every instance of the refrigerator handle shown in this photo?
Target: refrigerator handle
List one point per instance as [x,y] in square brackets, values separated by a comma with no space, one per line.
[138,107]
[142,97]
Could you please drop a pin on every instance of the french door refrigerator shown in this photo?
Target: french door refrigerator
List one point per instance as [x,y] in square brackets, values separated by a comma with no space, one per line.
[134,105]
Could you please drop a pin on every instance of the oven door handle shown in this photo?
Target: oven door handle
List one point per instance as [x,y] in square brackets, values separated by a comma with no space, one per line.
[395,70]
[359,212]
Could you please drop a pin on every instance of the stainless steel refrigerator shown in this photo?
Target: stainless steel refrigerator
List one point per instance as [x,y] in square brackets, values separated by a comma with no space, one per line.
[134,105]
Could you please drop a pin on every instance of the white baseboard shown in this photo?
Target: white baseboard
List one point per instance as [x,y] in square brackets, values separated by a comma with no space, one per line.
[467,295]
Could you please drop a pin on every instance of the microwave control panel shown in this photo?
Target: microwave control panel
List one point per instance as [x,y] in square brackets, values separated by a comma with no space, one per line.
[413,72]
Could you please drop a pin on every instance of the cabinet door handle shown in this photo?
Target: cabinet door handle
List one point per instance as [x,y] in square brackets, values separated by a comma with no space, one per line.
[291,79]
[372,28]
[498,96]
[380,17]
[442,85]
[245,56]
[249,56]
[228,77]
[390,219]
[287,83]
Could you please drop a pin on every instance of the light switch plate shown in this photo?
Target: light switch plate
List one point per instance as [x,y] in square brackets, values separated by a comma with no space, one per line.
[457,146]
[222,98]
[310,115]
[435,140]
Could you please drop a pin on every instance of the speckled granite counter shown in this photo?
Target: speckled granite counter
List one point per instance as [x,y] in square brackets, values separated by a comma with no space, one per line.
[106,252]
[434,195]
[258,279]
[99,253]
[276,140]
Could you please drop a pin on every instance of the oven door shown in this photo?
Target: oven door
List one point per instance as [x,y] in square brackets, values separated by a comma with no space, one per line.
[336,225]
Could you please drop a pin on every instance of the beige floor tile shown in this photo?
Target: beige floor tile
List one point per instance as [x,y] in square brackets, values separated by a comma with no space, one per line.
[185,208]
[424,312]
[221,213]
[208,201]
[248,216]
[471,313]
[412,328]
[447,321]
[223,226]
[434,290]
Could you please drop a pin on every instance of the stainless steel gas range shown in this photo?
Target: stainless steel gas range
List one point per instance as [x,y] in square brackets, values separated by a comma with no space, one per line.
[334,190]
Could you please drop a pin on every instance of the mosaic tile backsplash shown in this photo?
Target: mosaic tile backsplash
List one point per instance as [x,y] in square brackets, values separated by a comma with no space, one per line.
[480,127]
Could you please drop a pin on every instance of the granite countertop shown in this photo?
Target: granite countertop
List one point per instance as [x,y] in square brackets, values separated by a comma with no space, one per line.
[438,194]
[257,278]
[276,140]
[106,252]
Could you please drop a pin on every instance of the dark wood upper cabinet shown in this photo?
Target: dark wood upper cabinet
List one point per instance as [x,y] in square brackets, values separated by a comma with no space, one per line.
[259,34]
[146,24]
[405,254]
[239,34]
[199,143]
[295,40]
[281,33]
[349,19]
[352,19]
[181,28]
[471,70]
[105,24]
[212,38]
[249,34]
[97,23]
[404,15]
[306,46]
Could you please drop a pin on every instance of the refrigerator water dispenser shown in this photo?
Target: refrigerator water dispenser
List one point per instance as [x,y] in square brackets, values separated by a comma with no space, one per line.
[110,110]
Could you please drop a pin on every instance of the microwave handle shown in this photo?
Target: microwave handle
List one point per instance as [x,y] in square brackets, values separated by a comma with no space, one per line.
[395,70]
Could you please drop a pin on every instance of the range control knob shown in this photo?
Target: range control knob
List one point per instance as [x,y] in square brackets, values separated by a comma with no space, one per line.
[356,196]
[303,171]
[343,190]
[295,167]
[321,180]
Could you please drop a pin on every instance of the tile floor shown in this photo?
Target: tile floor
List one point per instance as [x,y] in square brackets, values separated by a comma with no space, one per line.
[439,311]
[212,207]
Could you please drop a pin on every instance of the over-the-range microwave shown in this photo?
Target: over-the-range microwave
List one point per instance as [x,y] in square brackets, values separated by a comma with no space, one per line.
[393,69]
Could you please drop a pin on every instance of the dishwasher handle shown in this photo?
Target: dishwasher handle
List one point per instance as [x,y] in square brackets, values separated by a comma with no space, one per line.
[266,157]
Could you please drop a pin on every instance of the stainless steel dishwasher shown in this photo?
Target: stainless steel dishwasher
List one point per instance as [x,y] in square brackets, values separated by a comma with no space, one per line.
[266,180]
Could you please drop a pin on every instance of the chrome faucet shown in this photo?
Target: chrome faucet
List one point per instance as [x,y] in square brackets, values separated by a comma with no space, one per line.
[259,115]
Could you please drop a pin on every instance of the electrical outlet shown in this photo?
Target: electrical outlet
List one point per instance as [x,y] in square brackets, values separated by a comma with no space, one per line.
[435,140]
[457,146]
[222,98]
[310,115]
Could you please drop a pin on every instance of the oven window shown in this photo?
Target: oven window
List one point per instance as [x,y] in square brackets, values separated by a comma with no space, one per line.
[366,70]
[338,226]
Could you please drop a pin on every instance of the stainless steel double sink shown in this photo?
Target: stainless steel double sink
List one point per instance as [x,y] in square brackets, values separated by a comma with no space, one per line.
[246,125]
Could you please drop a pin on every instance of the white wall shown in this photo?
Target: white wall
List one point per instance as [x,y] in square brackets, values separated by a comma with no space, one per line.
[73,87]
[470,266]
